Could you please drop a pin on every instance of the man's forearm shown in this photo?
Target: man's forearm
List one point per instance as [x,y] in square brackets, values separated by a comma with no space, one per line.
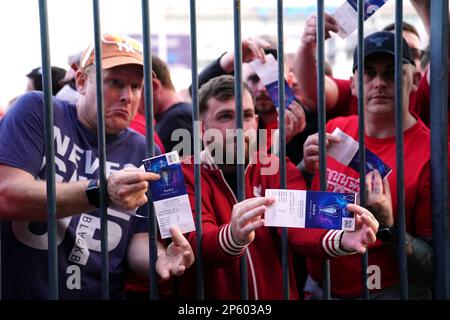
[420,259]
[422,8]
[138,254]
[306,74]
[28,201]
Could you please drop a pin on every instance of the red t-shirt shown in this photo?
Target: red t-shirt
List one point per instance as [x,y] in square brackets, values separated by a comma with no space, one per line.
[346,271]
[422,103]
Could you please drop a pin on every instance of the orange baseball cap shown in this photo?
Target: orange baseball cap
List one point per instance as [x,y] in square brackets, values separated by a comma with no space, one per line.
[116,50]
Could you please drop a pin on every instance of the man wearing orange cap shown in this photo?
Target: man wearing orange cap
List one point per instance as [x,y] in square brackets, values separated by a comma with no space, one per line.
[23,191]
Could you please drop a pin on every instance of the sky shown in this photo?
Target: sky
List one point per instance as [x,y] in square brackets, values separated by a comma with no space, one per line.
[71,30]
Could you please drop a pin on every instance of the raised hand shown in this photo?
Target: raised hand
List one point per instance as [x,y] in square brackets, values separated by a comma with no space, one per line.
[309,37]
[365,230]
[252,48]
[127,188]
[379,199]
[295,120]
[246,218]
[311,151]
[176,258]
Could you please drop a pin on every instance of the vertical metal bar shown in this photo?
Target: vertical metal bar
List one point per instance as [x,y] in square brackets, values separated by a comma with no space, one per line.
[1,244]
[239,132]
[49,154]
[281,109]
[361,135]
[1,276]
[321,113]
[403,268]
[197,145]
[148,103]
[439,145]
[101,151]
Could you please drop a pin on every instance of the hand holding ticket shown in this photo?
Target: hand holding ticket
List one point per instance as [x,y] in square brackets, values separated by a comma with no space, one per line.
[346,151]
[310,209]
[324,210]
[169,195]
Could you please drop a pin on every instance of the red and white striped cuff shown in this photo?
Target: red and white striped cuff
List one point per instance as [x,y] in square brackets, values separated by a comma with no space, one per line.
[227,242]
[331,243]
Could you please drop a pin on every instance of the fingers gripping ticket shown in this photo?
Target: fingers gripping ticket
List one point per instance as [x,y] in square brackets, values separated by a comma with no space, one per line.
[127,187]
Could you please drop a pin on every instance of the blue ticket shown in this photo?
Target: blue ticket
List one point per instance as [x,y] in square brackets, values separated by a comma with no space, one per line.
[169,195]
[370,6]
[289,97]
[310,209]
[328,210]
[372,163]
[347,15]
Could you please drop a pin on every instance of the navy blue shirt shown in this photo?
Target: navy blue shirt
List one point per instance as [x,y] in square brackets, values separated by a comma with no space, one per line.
[24,243]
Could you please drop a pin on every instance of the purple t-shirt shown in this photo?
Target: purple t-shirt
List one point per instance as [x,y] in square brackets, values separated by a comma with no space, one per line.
[24,243]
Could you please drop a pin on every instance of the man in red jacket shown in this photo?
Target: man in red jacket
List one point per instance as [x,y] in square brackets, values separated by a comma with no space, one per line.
[231,229]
